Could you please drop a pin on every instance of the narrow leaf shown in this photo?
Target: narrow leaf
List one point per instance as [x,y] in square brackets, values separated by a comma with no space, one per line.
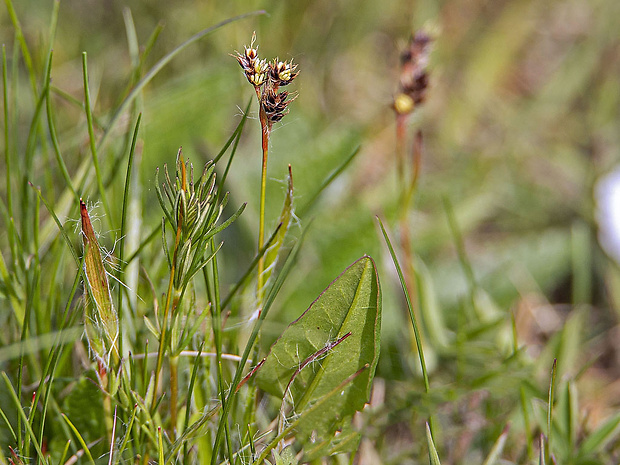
[271,257]
[432,451]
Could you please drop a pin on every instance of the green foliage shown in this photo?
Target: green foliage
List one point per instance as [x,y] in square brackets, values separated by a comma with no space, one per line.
[486,190]
[332,341]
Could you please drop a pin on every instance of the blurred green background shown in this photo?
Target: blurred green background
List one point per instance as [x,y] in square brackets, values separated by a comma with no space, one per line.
[522,118]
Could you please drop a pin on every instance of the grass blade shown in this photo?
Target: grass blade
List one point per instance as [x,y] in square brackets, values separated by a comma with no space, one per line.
[23,417]
[433,456]
[414,321]
[498,447]
[550,409]
[79,438]
[91,138]
[160,64]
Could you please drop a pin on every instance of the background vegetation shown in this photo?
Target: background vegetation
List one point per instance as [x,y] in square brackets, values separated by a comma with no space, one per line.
[521,121]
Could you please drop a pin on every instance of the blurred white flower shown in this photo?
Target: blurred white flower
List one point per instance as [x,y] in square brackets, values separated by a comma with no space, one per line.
[607,196]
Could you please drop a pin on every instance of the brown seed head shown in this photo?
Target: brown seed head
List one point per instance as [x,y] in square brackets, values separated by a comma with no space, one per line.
[275,104]
[413,73]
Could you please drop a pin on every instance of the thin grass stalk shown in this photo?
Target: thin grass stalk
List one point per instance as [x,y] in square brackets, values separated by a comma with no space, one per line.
[52,132]
[7,145]
[414,322]
[273,292]
[159,65]
[24,419]
[121,252]
[164,322]
[550,410]
[217,337]
[306,207]
[91,137]
[265,132]
[462,254]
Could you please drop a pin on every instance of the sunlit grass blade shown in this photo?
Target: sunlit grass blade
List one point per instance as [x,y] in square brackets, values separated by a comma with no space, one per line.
[550,410]
[159,65]
[52,131]
[600,437]
[8,424]
[271,296]
[93,145]
[24,419]
[306,207]
[123,232]
[241,281]
[63,455]
[498,447]
[412,316]
[432,451]
[79,438]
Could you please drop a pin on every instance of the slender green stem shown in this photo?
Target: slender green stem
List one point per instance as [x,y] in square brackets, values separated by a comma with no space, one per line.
[414,321]
[7,158]
[93,143]
[164,322]
[174,392]
[550,410]
[121,254]
[273,292]
[265,130]
[53,137]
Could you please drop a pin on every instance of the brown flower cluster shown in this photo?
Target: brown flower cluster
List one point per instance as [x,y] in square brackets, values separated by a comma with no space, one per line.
[267,78]
[413,73]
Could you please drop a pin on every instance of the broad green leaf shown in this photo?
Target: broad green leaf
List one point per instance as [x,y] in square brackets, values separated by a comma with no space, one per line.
[273,252]
[335,338]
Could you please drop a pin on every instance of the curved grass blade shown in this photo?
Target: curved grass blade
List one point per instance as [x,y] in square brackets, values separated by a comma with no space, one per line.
[550,408]
[91,138]
[432,451]
[498,447]
[79,438]
[160,64]
[23,417]
[414,321]
[273,252]
[271,296]
[310,203]
[250,269]
[308,411]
